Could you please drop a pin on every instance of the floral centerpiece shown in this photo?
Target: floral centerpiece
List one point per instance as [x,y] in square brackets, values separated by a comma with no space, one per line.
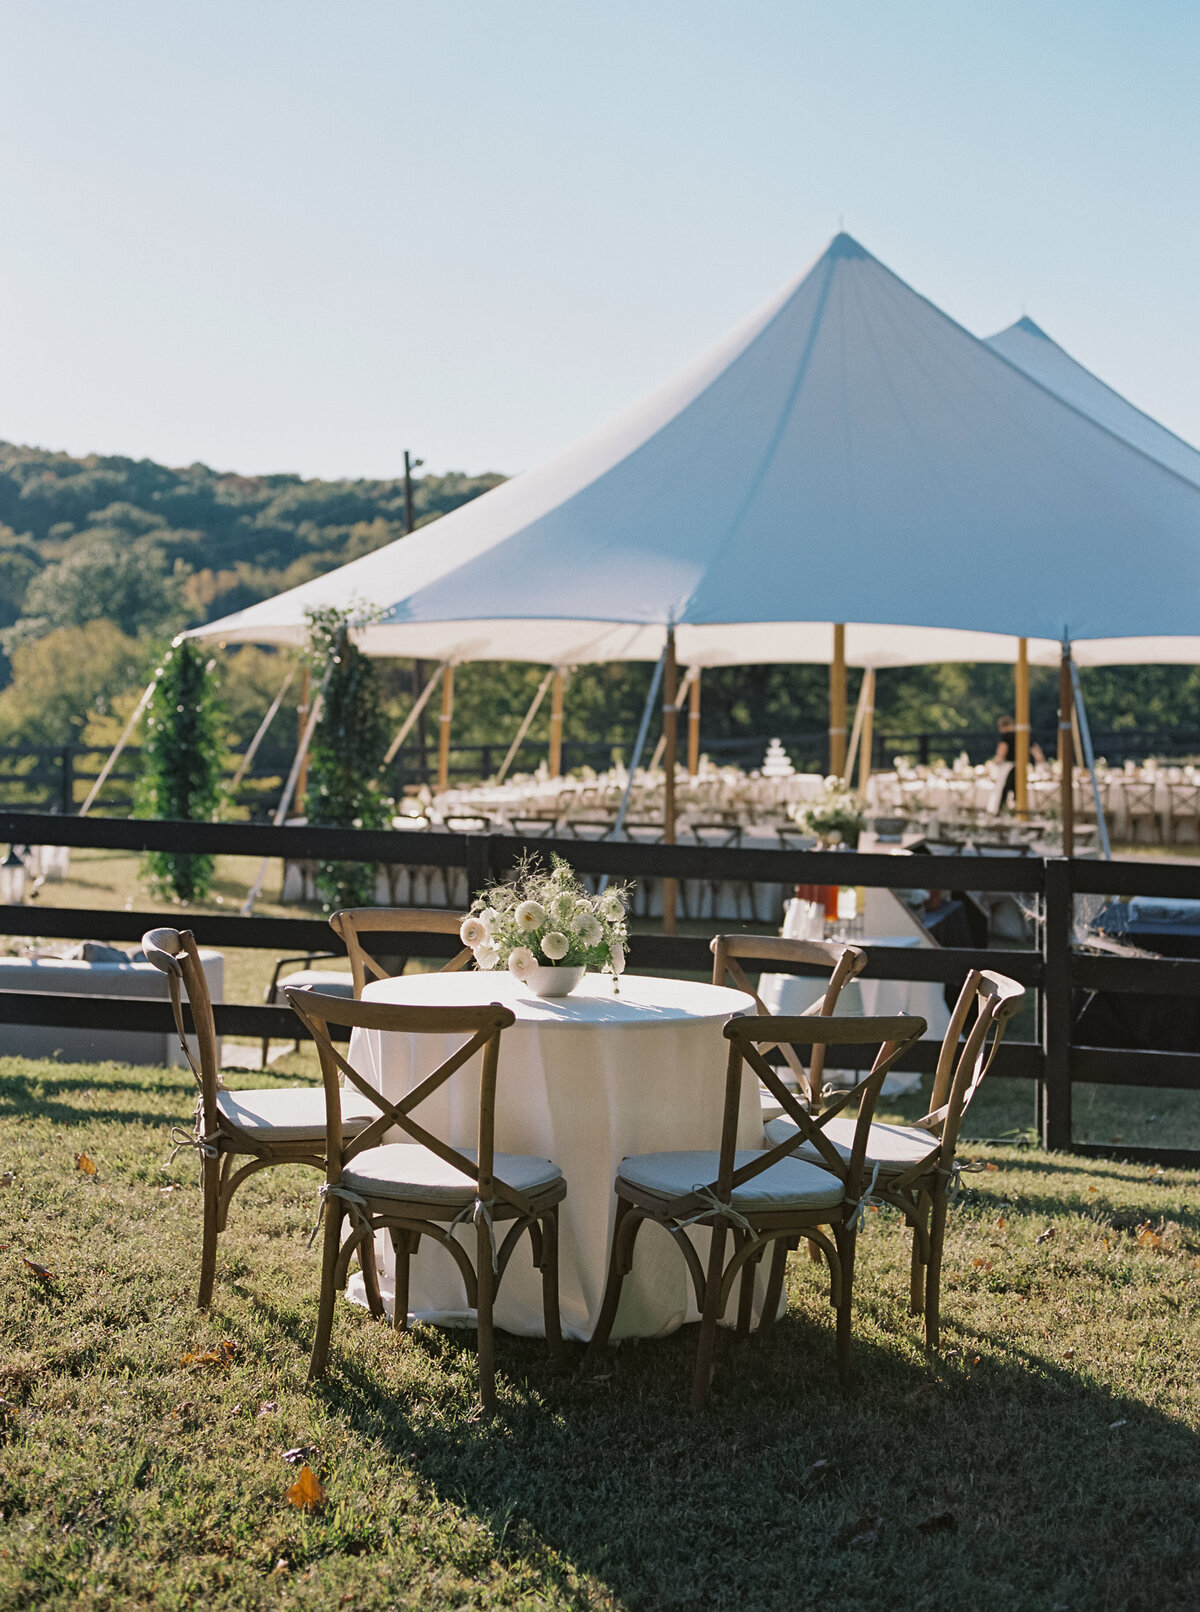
[835,816]
[547,930]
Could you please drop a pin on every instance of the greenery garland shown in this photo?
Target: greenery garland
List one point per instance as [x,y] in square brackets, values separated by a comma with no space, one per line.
[181,766]
[347,749]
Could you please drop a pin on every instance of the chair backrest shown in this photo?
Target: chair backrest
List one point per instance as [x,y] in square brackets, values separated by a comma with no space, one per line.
[174,953]
[352,922]
[843,962]
[961,1063]
[749,1033]
[480,1027]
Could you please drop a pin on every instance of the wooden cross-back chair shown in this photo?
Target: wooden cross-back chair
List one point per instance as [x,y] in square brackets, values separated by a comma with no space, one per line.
[843,962]
[279,1125]
[761,1198]
[913,1167]
[351,922]
[424,1187]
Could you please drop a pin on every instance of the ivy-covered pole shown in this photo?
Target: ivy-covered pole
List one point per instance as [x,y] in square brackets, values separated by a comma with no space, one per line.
[346,752]
[181,766]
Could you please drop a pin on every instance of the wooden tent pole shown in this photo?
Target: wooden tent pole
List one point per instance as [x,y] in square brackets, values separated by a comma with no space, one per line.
[694,723]
[556,724]
[868,730]
[252,748]
[1066,749]
[526,720]
[837,702]
[1021,746]
[847,772]
[444,720]
[670,711]
[302,714]
[102,777]
[406,727]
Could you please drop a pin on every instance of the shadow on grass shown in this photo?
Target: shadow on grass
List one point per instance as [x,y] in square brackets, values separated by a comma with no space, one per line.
[1014,1480]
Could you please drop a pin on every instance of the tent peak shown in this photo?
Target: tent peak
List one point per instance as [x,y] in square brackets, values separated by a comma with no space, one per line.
[843,245]
[1029,327]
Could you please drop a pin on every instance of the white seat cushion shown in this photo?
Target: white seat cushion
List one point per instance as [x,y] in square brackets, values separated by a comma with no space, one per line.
[789,1182]
[333,981]
[407,1170]
[892,1147]
[291,1114]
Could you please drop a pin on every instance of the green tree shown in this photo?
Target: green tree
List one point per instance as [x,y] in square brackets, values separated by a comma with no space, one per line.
[62,680]
[181,766]
[104,575]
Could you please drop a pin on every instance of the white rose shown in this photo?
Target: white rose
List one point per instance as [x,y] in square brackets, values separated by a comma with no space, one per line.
[521,962]
[589,929]
[616,959]
[555,945]
[530,915]
[486,956]
[611,906]
[472,932]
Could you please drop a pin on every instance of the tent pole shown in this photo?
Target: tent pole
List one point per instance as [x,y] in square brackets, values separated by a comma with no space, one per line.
[685,684]
[670,887]
[837,703]
[1085,733]
[444,720]
[289,789]
[302,714]
[556,719]
[243,765]
[525,723]
[1066,701]
[1021,731]
[847,771]
[694,722]
[638,746]
[108,766]
[868,730]
[413,716]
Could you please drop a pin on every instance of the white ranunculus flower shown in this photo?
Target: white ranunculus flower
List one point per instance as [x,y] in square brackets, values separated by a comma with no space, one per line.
[530,915]
[472,932]
[489,917]
[521,962]
[562,907]
[611,906]
[486,956]
[555,945]
[616,959]
[590,931]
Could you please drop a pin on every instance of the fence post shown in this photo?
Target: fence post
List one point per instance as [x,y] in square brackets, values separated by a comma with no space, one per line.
[66,781]
[1057,929]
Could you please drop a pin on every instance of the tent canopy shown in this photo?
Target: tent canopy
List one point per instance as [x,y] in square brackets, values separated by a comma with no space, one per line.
[847,454]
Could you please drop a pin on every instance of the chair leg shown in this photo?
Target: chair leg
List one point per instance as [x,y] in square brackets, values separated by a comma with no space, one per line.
[370,1276]
[916,1293]
[779,1254]
[210,1187]
[845,1241]
[709,1318]
[933,1276]
[485,1280]
[403,1244]
[329,1255]
[618,1264]
[746,1296]
[550,1308]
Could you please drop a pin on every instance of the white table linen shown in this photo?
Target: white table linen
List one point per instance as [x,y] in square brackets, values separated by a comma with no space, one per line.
[584,1080]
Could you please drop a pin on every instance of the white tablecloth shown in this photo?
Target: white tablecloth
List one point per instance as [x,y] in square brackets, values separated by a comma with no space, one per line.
[584,1080]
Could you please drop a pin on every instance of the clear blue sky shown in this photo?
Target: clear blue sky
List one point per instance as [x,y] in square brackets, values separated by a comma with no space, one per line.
[290,235]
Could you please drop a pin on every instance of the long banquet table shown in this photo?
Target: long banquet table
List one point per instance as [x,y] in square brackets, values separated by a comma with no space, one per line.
[584,1080]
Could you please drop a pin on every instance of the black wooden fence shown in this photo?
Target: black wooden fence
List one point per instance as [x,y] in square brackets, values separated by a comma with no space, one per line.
[1054,971]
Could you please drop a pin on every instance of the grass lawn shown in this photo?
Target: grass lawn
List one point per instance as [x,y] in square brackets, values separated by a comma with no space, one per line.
[1048,1458]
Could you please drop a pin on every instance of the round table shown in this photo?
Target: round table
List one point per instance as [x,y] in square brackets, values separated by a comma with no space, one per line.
[584,1080]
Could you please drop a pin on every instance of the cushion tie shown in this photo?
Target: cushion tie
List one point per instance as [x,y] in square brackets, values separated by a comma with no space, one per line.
[867,1201]
[956,1172]
[476,1211]
[715,1208]
[356,1202]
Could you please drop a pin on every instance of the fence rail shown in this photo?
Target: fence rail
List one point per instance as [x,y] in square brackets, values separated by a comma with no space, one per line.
[1055,971]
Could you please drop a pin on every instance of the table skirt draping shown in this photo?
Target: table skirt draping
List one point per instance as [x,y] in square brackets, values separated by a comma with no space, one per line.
[586,1081]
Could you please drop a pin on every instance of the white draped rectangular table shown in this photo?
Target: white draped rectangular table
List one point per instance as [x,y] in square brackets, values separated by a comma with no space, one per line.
[584,1080]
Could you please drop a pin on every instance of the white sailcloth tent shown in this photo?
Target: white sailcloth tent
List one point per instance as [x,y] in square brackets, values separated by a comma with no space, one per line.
[849,454]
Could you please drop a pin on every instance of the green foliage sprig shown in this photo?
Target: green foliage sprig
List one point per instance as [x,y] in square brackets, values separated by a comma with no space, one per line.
[181,766]
[348,746]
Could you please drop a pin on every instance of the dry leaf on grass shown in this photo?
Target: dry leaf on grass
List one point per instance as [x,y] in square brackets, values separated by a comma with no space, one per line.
[42,1272]
[84,1165]
[222,1355]
[862,1533]
[299,1453]
[942,1522]
[1045,1236]
[983,1265]
[1093,1189]
[306,1492]
[267,1408]
[1147,1237]
[7,1178]
[1001,1223]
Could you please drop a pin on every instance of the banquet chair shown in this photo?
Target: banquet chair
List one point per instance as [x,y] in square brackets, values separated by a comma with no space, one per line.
[424,1187]
[844,964]
[1140,807]
[913,1167]
[260,1128]
[1183,806]
[762,1197]
[699,893]
[352,922]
